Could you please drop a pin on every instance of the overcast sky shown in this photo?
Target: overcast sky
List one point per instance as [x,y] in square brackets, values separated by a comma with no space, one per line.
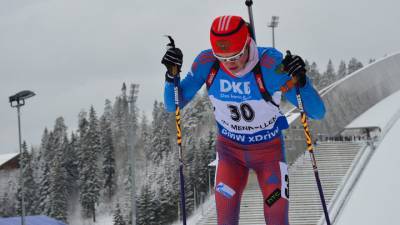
[77,53]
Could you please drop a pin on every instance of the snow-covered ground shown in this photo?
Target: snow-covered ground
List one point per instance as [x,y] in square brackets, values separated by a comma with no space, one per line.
[103,216]
[374,199]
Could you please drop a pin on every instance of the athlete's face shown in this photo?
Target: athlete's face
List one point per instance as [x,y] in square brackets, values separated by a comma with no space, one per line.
[234,65]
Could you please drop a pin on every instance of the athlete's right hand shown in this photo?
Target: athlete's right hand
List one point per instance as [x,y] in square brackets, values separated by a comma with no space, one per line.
[295,66]
[172,59]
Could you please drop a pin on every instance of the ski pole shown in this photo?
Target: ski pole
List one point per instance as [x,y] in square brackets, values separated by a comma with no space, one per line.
[175,73]
[310,149]
[249,4]
[307,133]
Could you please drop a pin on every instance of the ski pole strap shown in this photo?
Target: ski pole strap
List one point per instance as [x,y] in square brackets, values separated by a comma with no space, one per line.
[260,83]
[287,86]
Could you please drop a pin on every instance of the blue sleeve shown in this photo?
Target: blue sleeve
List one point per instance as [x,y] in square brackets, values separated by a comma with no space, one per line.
[193,81]
[270,62]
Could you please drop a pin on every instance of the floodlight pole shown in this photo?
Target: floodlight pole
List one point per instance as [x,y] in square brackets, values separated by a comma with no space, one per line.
[19,100]
[273,37]
[273,24]
[20,167]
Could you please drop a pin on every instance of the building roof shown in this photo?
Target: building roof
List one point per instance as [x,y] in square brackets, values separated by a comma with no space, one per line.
[7,157]
[380,114]
[378,179]
[31,220]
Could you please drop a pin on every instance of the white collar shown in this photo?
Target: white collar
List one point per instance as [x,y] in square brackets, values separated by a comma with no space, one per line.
[252,62]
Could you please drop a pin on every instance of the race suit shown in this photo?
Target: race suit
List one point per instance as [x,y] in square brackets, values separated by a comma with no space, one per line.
[249,131]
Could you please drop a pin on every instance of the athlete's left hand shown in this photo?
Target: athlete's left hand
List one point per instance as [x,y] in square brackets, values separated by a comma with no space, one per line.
[294,65]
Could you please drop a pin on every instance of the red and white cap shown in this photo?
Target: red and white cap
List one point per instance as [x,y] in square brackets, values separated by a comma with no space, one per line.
[228,34]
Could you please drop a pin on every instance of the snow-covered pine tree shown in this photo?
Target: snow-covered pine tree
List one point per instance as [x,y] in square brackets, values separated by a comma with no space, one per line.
[133,109]
[106,130]
[203,157]
[162,157]
[83,126]
[156,148]
[167,208]
[314,75]
[154,213]
[89,176]
[143,146]
[127,195]
[195,123]
[59,182]
[120,125]
[191,169]
[37,165]
[211,146]
[47,147]
[52,146]
[108,155]
[160,142]
[196,118]
[29,184]
[171,193]
[117,217]
[354,65]
[191,119]
[307,65]
[342,70]
[144,212]
[329,75]
[146,138]
[123,130]
[107,147]
[71,163]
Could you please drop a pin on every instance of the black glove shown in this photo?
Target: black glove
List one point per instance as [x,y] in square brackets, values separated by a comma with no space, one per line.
[173,57]
[294,65]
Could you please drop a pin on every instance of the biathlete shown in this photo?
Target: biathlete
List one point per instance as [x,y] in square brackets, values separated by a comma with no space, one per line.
[245,84]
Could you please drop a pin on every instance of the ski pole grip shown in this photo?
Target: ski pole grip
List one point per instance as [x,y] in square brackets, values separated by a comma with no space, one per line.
[249,3]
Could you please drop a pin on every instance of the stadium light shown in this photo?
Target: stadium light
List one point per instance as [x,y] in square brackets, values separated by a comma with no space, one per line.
[274,23]
[16,101]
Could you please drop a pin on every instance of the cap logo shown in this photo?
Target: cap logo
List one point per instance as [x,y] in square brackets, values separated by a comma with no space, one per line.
[224,45]
[224,22]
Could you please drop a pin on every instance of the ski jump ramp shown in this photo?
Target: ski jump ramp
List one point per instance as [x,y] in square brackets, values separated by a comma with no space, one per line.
[345,100]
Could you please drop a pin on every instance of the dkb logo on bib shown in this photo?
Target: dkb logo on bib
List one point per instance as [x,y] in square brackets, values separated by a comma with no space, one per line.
[236,87]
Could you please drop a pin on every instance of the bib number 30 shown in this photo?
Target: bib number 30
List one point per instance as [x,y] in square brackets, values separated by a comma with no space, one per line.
[244,111]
